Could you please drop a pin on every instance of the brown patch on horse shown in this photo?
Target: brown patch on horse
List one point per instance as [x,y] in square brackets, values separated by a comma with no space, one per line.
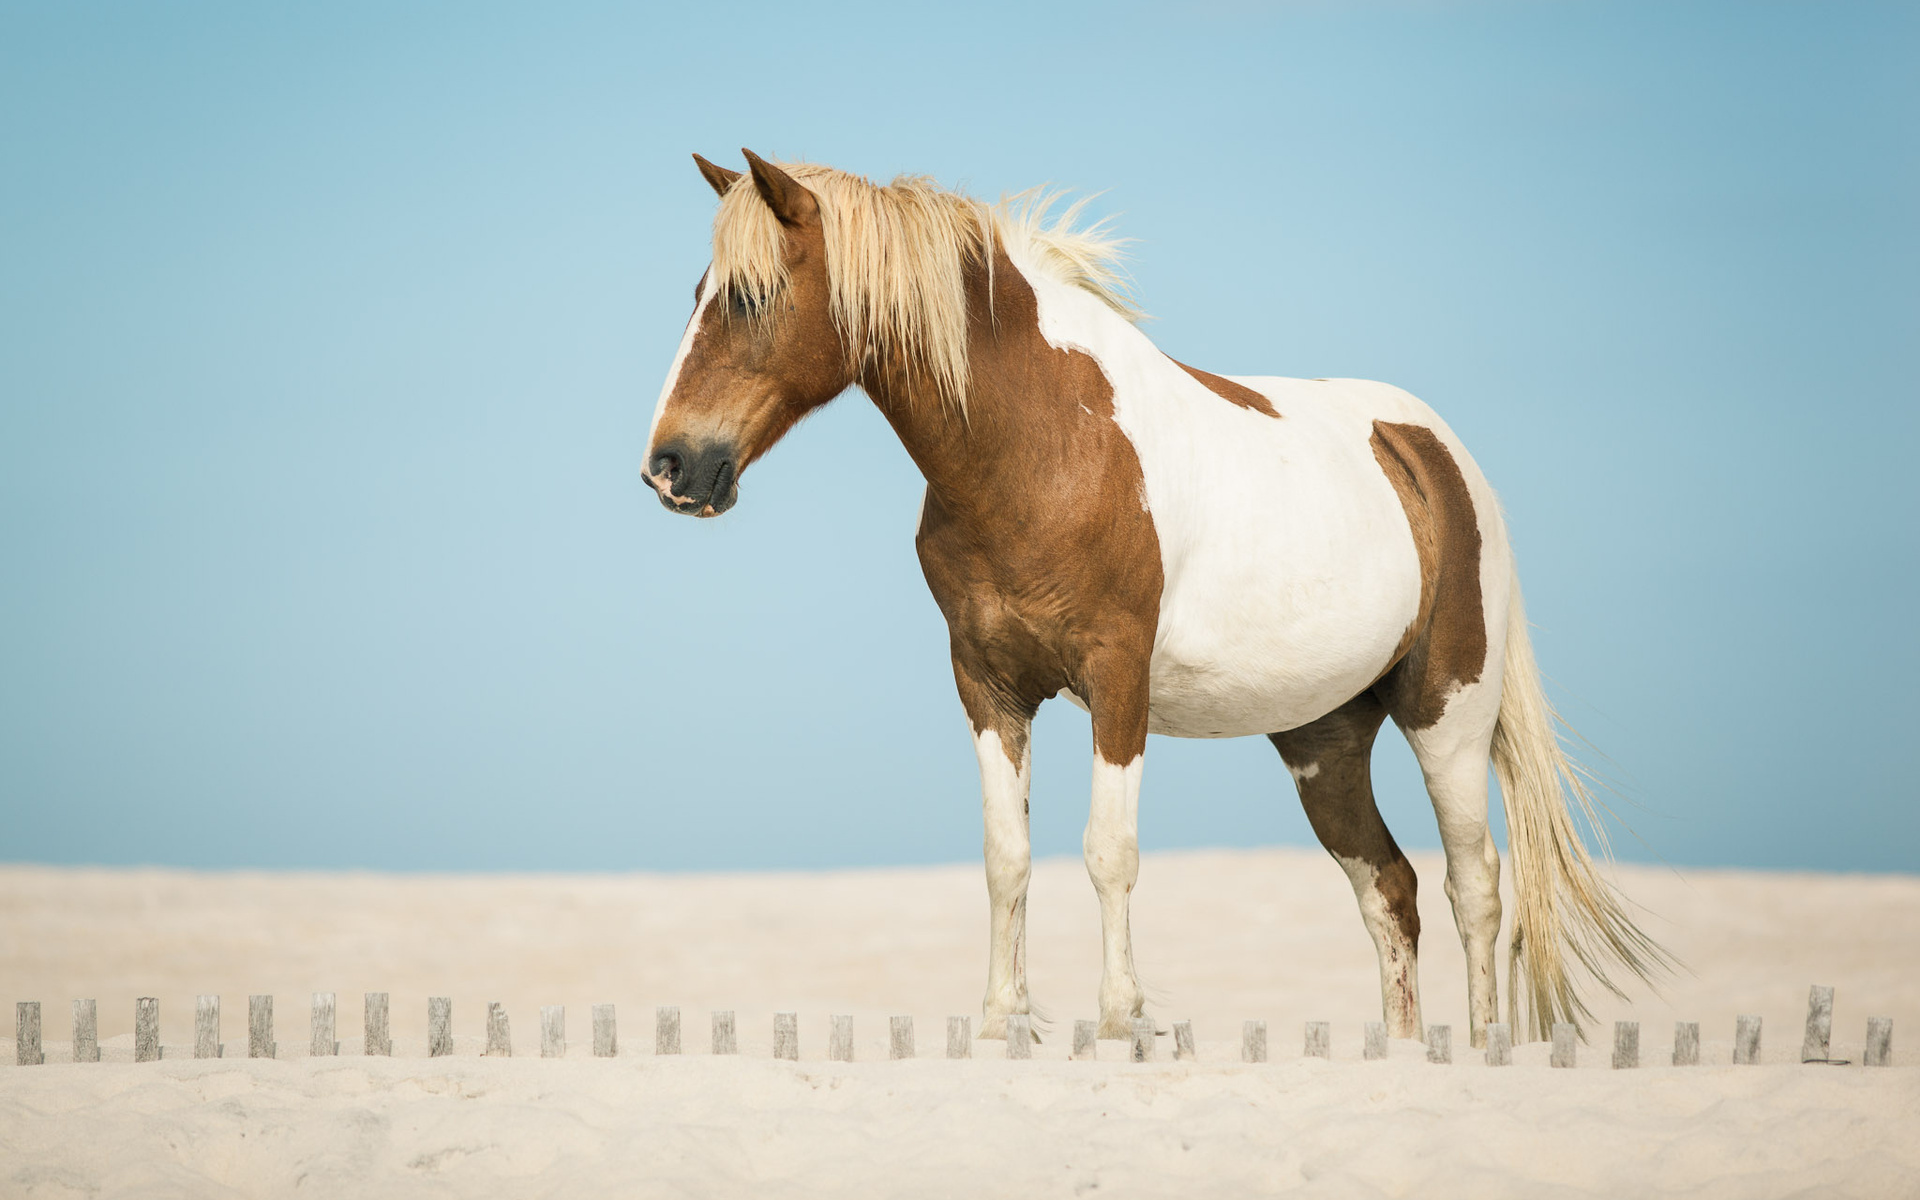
[1332,759]
[1446,645]
[1228,390]
[1032,539]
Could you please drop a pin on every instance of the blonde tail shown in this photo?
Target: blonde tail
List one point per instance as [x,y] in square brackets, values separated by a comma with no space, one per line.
[1561,903]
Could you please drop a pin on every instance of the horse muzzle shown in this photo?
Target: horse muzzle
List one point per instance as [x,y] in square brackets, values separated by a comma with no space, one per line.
[702,481]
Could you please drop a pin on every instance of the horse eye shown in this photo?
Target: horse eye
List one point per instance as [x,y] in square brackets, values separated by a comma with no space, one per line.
[745,303]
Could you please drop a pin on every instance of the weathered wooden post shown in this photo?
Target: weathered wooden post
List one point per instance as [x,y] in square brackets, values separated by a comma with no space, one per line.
[1019,1035]
[1253,1042]
[378,1040]
[959,1037]
[146,1029]
[1376,1044]
[900,1037]
[26,1034]
[840,1038]
[1183,1041]
[1319,1040]
[1565,1037]
[553,1031]
[323,1044]
[1815,1046]
[206,1027]
[666,1029]
[260,1043]
[499,1032]
[1499,1045]
[606,1034]
[1439,1043]
[1879,1051]
[786,1036]
[1626,1045]
[1686,1043]
[1746,1040]
[86,1031]
[724,1039]
[1086,1039]
[1143,1037]
[439,1026]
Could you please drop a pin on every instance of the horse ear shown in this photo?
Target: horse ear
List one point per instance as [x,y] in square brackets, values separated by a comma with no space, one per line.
[717,177]
[793,204]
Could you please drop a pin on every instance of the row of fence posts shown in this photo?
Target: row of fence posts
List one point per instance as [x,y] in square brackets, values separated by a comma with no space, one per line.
[1815,1047]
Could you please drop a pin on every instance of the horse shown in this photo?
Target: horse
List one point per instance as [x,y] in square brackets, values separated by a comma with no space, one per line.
[1173,551]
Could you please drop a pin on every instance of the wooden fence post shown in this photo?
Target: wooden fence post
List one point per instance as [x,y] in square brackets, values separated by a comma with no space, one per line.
[553,1031]
[439,1026]
[1565,1037]
[666,1029]
[725,1040]
[786,1036]
[206,1027]
[959,1037]
[840,1038]
[323,1043]
[1879,1042]
[1183,1041]
[26,1034]
[1019,1035]
[378,1039]
[900,1037]
[1686,1043]
[1376,1044]
[86,1031]
[1086,1039]
[499,1031]
[146,1029]
[1499,1045]
[606,1035]
[1143,1038]
[1815,1046]
[1319,1040]
[1626,1045]
[1439,1043]
[1746,1041]
[1253,1042]
[260,1043]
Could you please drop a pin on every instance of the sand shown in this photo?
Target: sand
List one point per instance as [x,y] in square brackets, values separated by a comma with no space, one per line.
[1221,936]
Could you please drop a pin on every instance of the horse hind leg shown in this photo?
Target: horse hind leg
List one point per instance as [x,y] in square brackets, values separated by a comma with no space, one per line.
[1330,760]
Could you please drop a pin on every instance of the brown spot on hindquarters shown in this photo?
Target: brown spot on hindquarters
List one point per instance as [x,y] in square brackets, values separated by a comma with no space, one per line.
[1228,390]
[1445,647]
[1338,799]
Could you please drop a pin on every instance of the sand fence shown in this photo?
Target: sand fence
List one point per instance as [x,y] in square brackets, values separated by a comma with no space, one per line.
[1141,1046]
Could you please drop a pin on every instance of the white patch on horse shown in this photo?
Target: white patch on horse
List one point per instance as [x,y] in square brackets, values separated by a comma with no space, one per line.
[1290,571]
[707,291]
[1003,803]
[1303,773]
[1112,848]
[1399,966]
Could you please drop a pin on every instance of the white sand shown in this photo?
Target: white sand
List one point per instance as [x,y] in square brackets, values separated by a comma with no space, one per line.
[1221,936]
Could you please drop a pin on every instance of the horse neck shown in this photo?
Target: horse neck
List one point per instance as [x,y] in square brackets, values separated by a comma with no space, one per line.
[1021,402]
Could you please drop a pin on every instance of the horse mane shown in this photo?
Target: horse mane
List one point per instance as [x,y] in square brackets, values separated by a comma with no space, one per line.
[897,258]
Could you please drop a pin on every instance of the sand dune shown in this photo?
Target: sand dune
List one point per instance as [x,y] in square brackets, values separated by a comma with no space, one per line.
[1221,937]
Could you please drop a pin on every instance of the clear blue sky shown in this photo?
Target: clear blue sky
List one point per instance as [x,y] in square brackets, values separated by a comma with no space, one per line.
[329,336]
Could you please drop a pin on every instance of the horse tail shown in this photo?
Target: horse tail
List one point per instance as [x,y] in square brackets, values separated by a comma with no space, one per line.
[1562,904]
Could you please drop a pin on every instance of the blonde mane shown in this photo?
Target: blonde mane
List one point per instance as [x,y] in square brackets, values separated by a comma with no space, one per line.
[897,257]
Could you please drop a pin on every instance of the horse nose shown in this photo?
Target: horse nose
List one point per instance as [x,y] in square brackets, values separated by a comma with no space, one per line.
[698,481]
[665,466]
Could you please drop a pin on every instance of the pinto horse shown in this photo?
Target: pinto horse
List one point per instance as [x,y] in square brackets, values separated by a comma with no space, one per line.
[1174,551]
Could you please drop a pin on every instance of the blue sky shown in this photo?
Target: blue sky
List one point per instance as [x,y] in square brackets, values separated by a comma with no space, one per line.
[329,336]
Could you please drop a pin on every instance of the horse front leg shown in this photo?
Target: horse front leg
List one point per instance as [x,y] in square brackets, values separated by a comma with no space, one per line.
[1001,743]
[1112,839]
